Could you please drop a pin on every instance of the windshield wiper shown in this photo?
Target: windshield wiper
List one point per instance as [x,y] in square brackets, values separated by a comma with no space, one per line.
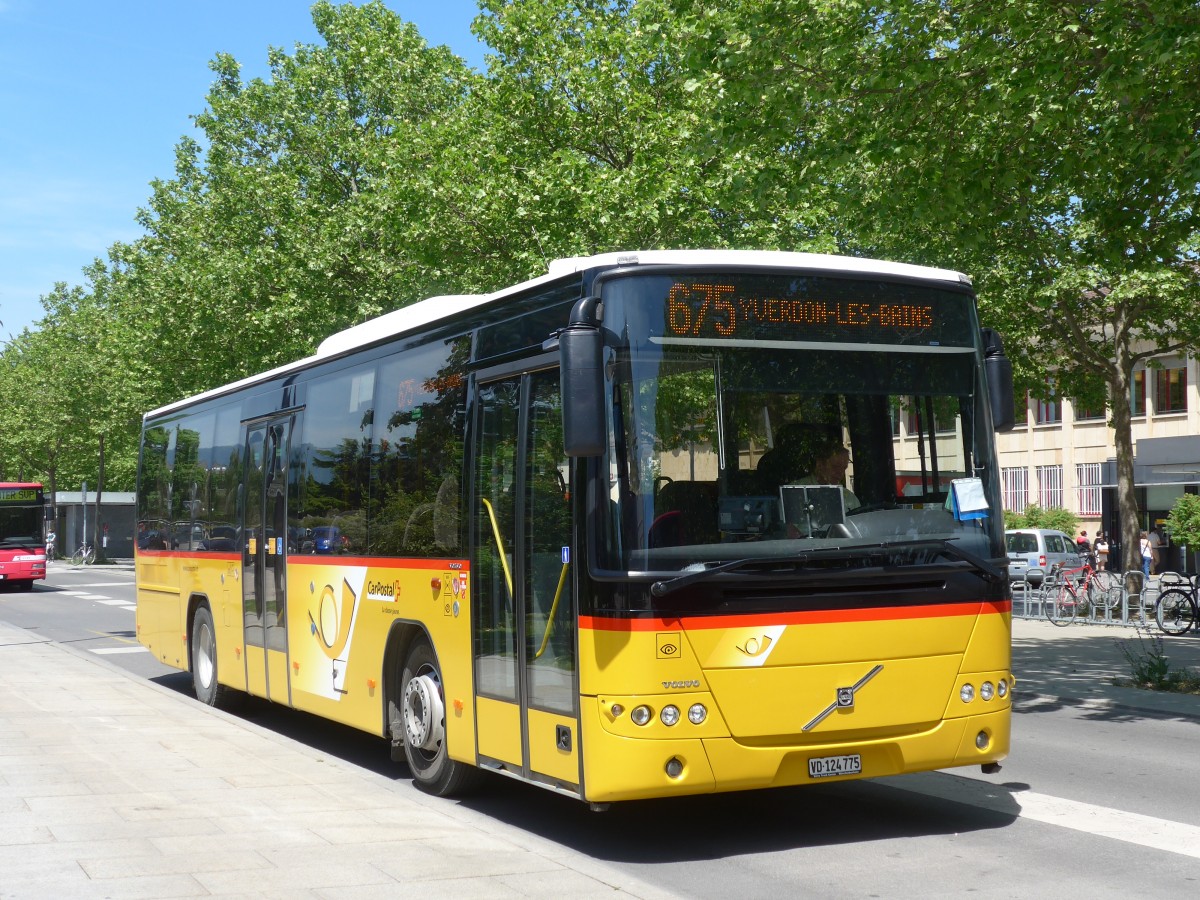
[986,570]
[670,585]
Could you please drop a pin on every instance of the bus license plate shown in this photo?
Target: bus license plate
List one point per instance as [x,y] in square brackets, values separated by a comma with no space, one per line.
[828,766]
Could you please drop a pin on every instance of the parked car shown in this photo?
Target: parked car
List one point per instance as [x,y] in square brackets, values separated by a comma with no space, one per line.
[1038,548]
[328,539]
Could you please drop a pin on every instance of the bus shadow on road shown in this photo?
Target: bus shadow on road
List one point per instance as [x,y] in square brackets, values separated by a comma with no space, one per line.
[753,822]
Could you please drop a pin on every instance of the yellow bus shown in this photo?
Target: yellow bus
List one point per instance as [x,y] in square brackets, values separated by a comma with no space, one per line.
[653,524]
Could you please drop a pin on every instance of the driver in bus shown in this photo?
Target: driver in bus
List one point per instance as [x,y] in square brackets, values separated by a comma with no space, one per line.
[830,465]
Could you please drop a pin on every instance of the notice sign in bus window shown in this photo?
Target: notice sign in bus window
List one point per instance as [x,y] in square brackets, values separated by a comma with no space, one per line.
[822,309]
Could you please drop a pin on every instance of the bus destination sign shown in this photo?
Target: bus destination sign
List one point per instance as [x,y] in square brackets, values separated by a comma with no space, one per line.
[755,309]
[19,495]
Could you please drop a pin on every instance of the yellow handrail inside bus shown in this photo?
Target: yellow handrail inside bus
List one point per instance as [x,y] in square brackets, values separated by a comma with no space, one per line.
[499,546]
[562,579]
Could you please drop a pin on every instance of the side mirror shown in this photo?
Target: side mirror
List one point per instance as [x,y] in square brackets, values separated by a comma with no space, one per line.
[581,370]
[998,370]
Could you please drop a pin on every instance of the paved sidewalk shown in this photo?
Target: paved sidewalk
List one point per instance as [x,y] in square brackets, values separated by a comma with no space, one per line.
[113,786]
[1081,663]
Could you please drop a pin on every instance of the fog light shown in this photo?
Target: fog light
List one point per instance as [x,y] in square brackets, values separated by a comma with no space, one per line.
[697,713]
[617,710]
[987,691]
[674,767]
[967,693]
[982,740]
[641,715]
[1002,688]
[669,715]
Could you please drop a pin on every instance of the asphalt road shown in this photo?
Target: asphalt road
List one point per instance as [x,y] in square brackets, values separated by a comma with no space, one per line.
[1093,802]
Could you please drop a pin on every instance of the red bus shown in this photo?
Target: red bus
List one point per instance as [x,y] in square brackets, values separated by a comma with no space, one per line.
[22,544]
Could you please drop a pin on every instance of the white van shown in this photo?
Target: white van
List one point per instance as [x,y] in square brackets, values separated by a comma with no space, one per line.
[1038,548]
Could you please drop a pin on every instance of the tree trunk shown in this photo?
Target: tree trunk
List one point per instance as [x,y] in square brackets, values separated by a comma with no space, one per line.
[1127,511]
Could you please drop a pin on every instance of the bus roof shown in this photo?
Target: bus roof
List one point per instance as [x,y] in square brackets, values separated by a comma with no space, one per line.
[427,312]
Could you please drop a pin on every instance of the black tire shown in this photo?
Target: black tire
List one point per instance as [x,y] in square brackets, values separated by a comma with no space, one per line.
[422,705]
[1062,608]
[203,652]
[1175,611]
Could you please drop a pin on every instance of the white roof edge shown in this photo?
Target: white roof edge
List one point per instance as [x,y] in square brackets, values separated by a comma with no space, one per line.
[760,258]
[417,315]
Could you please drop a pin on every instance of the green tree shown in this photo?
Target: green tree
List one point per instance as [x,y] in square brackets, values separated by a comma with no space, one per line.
[1184,524]
[1035,516]
[1049,149]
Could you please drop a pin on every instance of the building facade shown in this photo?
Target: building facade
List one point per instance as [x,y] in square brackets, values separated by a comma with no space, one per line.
[1063,455]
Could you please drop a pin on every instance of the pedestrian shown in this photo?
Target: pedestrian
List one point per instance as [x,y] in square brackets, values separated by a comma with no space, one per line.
[1083,547]
[1158,544]
[1147,554]
[1101,550]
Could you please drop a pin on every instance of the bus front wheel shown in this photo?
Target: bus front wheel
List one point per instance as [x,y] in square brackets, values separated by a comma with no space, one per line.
[423,713]
[204,661]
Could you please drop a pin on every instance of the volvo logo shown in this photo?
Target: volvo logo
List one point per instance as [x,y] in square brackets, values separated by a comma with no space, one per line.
[843,700]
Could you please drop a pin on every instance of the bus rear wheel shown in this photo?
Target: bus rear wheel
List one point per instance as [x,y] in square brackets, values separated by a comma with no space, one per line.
[423,717]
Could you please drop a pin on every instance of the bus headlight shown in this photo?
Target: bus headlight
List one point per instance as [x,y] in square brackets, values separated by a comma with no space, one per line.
[987,691]
[967,693]
[1002,688]
[669,715]
[697,713]
[641,715]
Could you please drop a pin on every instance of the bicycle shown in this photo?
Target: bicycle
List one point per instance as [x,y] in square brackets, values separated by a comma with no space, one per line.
[1177,609]
[84,556]
[1081,590]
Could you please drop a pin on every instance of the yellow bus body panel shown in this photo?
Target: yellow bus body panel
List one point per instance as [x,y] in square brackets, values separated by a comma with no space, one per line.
[545,756]
[339,616]
[499,726]
[779,690]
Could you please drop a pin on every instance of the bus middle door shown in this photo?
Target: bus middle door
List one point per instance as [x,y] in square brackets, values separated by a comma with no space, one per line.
[525,680]
[264,559]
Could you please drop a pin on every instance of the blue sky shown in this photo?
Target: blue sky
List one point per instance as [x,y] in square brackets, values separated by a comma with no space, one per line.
[93,98]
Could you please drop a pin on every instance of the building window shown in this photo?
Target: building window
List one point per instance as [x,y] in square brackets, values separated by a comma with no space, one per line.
[1170,390]
[1048,412]
[1085,413]
[1050,487]
[1088,476]
[1016,488]
[1137,393]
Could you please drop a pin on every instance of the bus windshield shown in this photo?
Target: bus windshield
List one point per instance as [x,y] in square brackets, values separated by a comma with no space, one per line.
[778,415]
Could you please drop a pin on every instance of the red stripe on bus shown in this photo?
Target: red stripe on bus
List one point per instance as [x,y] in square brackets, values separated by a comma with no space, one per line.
[815,617]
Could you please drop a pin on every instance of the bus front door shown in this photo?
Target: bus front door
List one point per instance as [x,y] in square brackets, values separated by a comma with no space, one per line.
[527,710]
[264,559]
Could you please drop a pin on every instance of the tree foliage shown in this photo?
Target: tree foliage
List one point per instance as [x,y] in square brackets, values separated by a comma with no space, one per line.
[1035,516]
[1047,148]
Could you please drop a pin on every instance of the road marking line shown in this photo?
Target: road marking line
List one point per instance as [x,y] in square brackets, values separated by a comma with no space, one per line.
[94,597]
[105,584]
[108,602]
[1130,827]
[107,651]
